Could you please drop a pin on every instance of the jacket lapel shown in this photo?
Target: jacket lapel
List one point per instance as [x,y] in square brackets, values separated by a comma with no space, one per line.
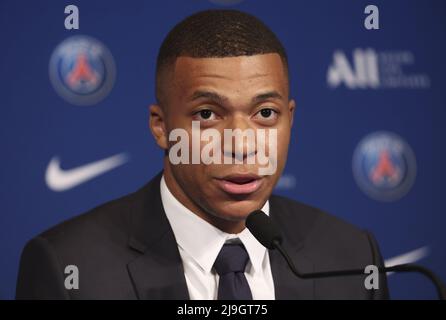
[158,272]
[287,286]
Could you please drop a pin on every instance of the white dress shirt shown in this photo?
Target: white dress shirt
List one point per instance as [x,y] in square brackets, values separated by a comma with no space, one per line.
[199,243]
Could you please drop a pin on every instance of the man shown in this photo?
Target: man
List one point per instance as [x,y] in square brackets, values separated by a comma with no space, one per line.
[183,235]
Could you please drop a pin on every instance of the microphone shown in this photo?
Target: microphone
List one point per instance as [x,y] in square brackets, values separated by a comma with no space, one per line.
[267,233]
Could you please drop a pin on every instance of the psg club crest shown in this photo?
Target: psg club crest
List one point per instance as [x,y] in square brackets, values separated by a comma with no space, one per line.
[384,166]
[82,70]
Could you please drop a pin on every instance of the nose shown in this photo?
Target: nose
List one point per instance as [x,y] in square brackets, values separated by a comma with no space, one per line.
[239,140]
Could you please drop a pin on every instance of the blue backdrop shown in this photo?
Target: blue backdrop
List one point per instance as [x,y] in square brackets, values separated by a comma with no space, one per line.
[349,83]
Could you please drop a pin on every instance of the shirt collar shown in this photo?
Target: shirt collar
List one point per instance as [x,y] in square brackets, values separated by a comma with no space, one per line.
[201,240]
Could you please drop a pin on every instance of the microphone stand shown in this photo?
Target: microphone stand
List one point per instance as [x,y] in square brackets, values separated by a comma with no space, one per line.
[409,267]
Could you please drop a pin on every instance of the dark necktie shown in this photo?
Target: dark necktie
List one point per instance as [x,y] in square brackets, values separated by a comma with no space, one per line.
[230,266]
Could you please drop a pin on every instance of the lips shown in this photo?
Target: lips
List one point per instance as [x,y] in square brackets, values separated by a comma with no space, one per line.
[240,183]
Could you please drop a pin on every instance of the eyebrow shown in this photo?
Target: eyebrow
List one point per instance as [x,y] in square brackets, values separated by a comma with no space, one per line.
[266,96]
[200,94]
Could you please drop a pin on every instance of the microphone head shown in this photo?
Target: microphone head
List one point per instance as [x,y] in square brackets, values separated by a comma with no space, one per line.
[263,229]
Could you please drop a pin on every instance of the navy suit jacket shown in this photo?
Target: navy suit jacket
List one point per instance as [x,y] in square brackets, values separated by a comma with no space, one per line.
[126,249]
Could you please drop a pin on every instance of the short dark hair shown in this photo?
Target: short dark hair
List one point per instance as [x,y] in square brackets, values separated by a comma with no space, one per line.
[217,34]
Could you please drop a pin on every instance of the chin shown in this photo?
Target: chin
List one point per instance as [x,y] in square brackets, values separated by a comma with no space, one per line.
[238,210]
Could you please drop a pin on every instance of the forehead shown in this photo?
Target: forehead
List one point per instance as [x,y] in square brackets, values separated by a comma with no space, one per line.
[242,73]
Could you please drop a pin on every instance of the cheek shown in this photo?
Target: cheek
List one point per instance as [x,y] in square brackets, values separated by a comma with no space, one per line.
[283,138]
[190,180]
[194,177]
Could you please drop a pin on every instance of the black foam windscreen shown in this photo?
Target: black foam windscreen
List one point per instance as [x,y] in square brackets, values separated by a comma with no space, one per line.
[263,229]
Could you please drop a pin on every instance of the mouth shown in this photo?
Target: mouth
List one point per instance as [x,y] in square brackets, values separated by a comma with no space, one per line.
[240,183]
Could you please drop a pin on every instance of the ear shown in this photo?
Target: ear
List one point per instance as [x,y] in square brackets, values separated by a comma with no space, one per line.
[291,107]
[158,126]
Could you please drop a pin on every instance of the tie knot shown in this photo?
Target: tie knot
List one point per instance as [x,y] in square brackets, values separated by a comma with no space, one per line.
[232,258]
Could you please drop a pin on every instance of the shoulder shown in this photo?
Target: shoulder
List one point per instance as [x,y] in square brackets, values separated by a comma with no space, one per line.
[103,221]
[307,218]
[324,235]
[95,242]
[330,243]
[102,231]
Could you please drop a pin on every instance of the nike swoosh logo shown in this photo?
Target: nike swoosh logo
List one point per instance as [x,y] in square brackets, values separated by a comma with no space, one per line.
[408,257]
[59,180]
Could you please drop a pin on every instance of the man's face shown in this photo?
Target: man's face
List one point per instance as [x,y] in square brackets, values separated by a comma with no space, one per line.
[245,92]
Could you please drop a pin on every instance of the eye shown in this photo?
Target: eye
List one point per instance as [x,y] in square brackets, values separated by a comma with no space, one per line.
[266,114]
[205,115]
